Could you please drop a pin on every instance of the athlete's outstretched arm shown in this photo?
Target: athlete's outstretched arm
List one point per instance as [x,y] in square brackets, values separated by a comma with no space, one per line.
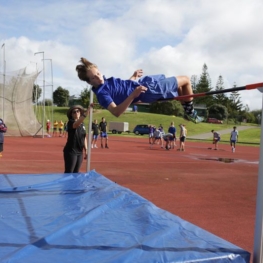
[121,108]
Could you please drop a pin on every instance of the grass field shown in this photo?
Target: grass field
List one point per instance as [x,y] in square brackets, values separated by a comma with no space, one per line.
[250,135]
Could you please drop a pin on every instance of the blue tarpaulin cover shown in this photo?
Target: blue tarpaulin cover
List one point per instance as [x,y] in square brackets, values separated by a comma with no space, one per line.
[88,218]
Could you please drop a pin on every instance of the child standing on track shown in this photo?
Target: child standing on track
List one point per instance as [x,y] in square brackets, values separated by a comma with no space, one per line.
[95,130]
[233,139]
[172,130]
[183,133]
[61,128]
[103,133]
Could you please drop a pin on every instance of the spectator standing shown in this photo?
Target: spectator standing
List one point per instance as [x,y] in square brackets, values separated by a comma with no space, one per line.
[55,128]
[3,129]
[161,128]
[77,141]
[61,128]
[216,138]
[233,138]
[172,130]
[135,108]
[151,134]
[183,133]
[95,131]
[65,129]
[103,133]
[48,125]
[158,137]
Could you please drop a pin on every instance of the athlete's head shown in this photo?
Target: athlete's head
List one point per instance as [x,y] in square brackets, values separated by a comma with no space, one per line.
[89,72]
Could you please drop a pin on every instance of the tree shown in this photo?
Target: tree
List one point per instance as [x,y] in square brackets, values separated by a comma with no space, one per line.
[217,111]
[245,114]
[235,99]
[234,105]
[257,115]
[220,98]
[204,85]
[48,102]
[168,107]
[61,97]
[85,98]
[36,93]
[194,80]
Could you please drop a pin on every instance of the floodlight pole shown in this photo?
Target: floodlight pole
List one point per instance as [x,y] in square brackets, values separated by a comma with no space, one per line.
[3,91]
[43,117]
[52,107]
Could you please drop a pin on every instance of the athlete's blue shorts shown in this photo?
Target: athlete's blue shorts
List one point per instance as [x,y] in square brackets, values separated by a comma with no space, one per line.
[95,136]
[103,134]
[158,87]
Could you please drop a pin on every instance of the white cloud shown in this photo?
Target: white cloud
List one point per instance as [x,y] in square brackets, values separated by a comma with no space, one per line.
[161,36]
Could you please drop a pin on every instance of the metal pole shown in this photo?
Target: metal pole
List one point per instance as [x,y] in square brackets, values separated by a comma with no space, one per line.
[52,107]
[90,131]
[258,234]
[3,91]
[43,117]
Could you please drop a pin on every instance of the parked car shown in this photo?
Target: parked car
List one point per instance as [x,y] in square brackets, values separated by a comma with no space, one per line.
[141,129]
[214,120]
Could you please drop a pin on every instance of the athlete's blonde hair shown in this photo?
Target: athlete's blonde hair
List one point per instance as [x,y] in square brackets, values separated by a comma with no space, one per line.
[83,69]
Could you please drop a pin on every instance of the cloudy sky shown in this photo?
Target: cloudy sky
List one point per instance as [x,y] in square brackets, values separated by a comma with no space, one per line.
[174,37]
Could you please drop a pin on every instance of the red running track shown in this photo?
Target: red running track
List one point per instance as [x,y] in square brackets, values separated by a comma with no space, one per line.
[195,185]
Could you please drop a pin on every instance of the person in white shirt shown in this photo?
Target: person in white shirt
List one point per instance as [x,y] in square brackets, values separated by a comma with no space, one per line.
[158,137]
[183,133]
[233,138]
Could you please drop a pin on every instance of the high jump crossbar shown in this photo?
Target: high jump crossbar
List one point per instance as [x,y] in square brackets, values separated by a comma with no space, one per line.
[202,94]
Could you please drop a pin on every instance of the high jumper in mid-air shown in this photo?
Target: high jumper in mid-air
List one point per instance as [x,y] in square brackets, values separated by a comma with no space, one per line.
[116,94]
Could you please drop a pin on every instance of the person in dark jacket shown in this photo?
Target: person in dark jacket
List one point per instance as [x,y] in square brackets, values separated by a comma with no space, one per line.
[95,130]
[76,145]
[3,129]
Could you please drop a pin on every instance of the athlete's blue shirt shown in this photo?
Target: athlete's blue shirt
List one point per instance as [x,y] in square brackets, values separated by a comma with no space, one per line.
[117,90]
[172,130]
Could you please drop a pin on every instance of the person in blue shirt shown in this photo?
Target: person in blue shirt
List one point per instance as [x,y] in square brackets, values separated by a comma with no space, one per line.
[233,138]
[116,94]
[172,130]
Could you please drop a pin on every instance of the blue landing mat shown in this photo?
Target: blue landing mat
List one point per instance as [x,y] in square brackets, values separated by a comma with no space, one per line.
[88,218]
